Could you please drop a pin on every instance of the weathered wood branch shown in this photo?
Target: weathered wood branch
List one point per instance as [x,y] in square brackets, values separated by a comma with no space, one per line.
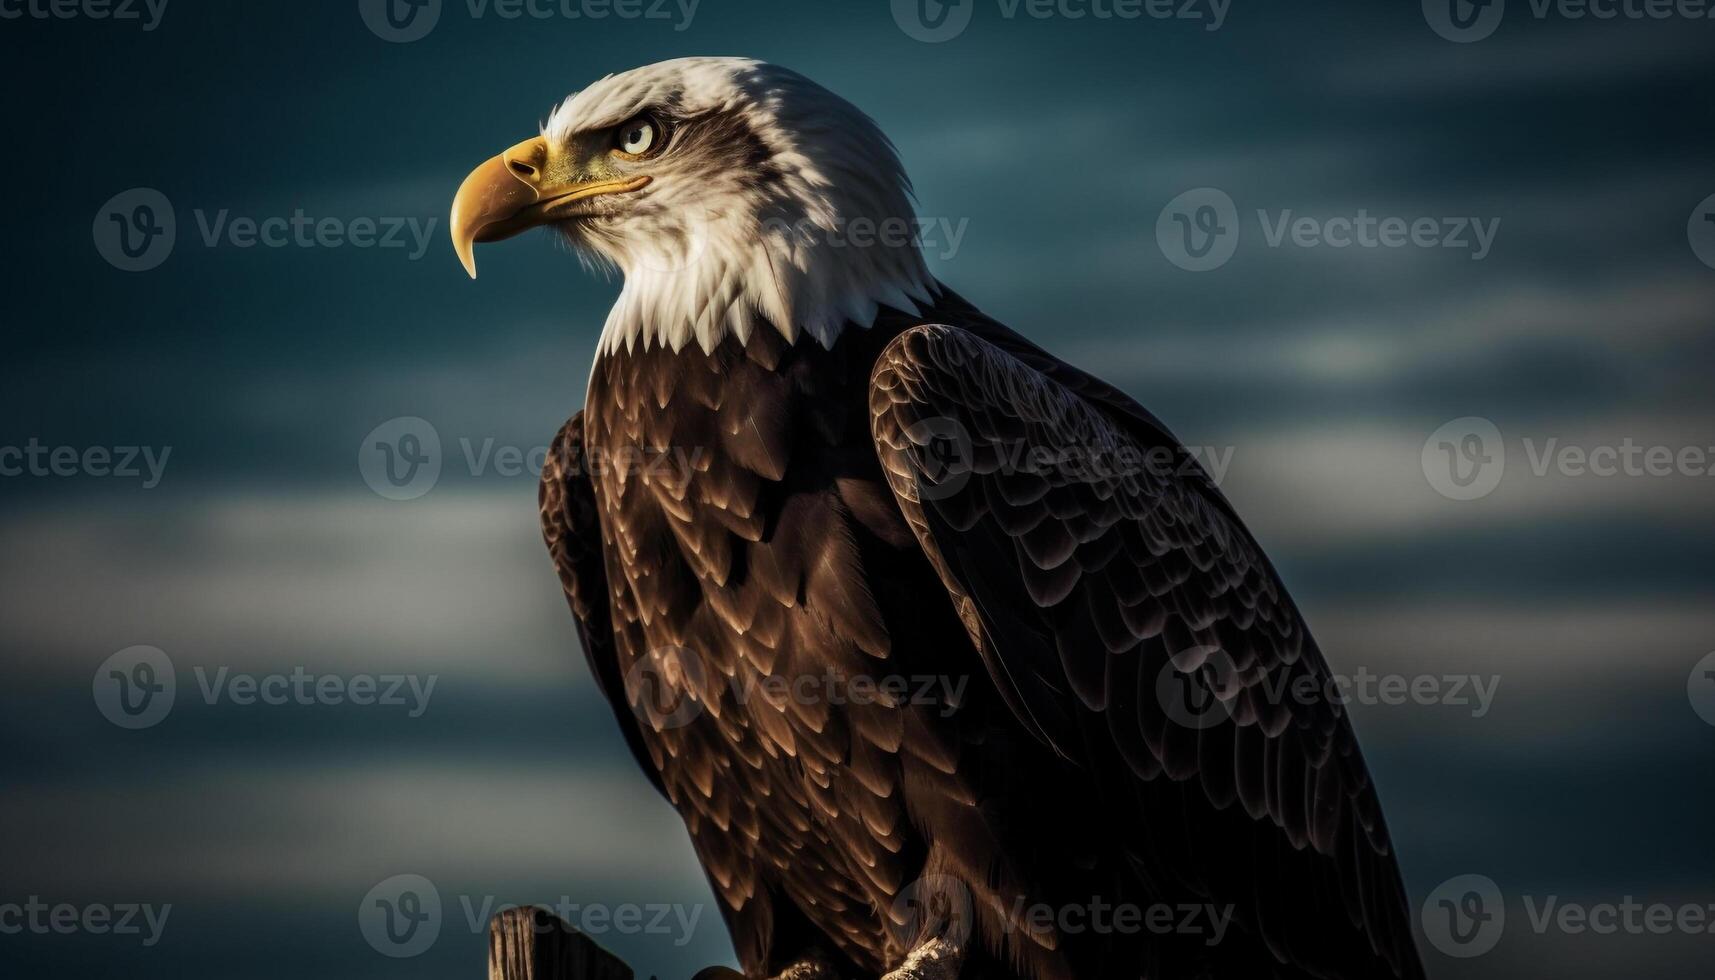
[536,944]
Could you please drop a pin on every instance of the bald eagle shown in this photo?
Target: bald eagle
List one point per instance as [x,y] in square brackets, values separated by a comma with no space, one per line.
[809,479]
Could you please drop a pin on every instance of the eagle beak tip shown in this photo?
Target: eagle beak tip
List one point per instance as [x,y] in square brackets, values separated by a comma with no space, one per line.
[467,257]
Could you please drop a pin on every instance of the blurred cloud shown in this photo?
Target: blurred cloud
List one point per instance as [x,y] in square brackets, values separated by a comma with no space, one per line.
[329,582]
[314,829]
[1526,54]
[1636,320]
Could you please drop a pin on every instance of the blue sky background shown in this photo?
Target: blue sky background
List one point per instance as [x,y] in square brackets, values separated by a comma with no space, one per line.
[1055,144]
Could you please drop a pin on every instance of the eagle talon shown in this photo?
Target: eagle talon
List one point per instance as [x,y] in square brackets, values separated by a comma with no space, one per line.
[812,967]
[936,959]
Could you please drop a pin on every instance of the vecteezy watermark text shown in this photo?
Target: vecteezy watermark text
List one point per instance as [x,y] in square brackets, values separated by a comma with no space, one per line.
[300,687]
[402,459]
[1199,688]
[147,13]
[1200,230]
[145,463]
[939,906]
[945,456]
[1123,918]
[942,691]
[401,916]
[1466,916]
[137,230]
[934,21]
[674,921]
[404,21]
[1466,458]
[941,236]
[1466,21]
[138,686]
[65,919]
[670,687]
[1365,230]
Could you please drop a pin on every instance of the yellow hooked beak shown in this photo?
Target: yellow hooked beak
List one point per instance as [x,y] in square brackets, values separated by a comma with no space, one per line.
[512,193]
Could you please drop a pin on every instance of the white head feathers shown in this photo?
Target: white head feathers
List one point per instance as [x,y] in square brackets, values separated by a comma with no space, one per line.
[775,202]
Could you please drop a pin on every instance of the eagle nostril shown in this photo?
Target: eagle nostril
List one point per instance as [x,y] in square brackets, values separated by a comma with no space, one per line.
[522,169]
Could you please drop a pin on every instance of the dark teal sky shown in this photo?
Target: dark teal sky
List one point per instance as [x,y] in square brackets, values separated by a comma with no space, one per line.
[1054,146]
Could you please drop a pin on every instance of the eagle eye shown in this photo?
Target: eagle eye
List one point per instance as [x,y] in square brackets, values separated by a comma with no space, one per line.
[638,138]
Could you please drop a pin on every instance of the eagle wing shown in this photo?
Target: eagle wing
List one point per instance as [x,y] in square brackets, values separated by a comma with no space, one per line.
[1109,588]
[572,530]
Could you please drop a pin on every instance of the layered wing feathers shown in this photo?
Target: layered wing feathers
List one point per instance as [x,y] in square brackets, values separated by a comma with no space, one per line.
[1133,623]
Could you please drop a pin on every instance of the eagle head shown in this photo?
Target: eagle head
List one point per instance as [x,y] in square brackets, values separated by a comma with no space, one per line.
[729,193]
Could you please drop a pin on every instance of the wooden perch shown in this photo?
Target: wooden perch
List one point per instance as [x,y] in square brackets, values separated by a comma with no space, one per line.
[536,944]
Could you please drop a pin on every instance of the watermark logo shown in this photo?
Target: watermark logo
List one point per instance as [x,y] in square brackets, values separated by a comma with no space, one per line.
[1464,21]
[933,21]
[1700,688]
[401,917]
[665,687]
[941,455]
[1199,230]
[934,907]
[1701,230]
[400,21]
[136,229]
[1465,916]
[135,687]
[1465,459]
[147,13]
[1195,688]
[400,459]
